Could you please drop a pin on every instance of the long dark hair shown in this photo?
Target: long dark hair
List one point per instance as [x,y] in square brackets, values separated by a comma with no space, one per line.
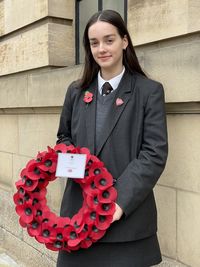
[130,60]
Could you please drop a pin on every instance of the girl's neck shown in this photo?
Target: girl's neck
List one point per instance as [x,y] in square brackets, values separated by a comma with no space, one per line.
[107,74]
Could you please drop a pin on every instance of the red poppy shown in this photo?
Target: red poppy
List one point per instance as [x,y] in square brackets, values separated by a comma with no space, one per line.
[93,159]
[92,200]
[96,233]
[86,151]
[43,183]
[71,236]
[103,222]
[29,184]
[46,234]
[88,97]
[85,231]
[49,161]
[49,217]
[103,180]
[90,188]
[62,148]
[106,208]
[22,223]
[34,228]
[90,217]
[86,243]
[56,245]
[63,222]
[77,222]
[19,184]
[26,212]
[107,196]
[48,166]
[41,212]
[18,199]
[95,168]
[32,171]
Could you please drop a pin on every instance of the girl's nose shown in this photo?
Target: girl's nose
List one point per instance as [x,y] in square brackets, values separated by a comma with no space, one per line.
[101,47]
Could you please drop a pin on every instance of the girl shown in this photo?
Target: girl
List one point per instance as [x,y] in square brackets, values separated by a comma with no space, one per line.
[125,126]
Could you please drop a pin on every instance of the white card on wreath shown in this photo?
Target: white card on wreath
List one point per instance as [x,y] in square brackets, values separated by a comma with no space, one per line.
[71,165]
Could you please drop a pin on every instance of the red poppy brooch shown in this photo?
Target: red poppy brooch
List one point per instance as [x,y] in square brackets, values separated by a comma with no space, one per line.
[88,97]
[64,233]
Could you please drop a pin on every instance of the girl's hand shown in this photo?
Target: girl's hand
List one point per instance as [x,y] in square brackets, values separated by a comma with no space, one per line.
[118,213]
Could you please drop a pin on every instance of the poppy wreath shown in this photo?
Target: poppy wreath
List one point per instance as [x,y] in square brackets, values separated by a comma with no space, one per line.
[64,233]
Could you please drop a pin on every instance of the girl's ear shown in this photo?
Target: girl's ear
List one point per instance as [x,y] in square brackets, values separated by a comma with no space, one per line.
[125,42]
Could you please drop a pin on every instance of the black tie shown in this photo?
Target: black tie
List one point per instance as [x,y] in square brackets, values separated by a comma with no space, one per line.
[106,89]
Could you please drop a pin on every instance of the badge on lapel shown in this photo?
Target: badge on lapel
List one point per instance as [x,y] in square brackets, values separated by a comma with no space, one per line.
[119,102]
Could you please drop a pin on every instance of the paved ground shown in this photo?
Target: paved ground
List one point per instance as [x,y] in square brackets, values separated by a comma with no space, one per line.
[6,261]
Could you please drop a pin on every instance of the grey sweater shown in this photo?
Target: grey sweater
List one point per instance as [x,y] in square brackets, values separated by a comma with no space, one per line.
[104,104]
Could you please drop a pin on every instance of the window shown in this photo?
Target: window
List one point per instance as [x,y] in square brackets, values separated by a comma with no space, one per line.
[85,9]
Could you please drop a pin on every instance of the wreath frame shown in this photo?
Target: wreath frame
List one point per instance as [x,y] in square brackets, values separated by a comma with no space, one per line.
[88,225]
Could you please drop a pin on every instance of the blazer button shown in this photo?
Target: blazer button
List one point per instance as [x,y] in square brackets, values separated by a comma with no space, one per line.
[114,181]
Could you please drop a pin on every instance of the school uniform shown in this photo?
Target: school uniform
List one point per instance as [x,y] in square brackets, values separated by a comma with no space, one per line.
[133,146]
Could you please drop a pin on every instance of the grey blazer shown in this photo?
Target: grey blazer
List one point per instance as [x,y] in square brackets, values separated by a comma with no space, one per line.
[133,147]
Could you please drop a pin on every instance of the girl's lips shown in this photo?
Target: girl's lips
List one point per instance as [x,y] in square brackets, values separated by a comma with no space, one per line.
[104,57]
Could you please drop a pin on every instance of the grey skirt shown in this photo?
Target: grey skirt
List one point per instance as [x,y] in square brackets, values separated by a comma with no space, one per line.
[141,253]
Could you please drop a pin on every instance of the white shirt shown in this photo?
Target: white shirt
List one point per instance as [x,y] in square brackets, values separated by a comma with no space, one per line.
[114,82]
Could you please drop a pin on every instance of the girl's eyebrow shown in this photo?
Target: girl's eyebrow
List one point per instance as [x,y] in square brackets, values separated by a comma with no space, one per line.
[106,36]
[109,35]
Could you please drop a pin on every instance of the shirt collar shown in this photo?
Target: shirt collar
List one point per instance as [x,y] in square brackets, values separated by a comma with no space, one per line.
[114,82]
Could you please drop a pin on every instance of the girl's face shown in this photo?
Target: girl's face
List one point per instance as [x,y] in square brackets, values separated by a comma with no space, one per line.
[107,47]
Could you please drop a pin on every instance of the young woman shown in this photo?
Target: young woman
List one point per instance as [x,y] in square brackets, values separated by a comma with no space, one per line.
[124,126]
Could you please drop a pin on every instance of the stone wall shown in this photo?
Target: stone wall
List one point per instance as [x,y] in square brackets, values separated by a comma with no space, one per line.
[34,46]
[35,34]
[167,37]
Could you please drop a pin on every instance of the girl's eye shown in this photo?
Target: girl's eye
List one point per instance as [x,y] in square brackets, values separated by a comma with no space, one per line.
[93,44]
[109,41]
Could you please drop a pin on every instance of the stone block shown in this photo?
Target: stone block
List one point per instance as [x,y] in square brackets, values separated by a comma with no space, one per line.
[61,44]
[37,89]
[176,64]
[32,11]
[6,168]
[9,133]
[61,9]
[150,21]
[36,132]
[13,91]
[41,46]
[183,169]
[25,51]
[166,205]
[188,232]
[193,15]
[48,89]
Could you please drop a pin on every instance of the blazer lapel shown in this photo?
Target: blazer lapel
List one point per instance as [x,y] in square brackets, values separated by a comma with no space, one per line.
[124,93]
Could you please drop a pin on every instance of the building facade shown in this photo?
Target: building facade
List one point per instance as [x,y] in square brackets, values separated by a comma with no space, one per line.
[38,60]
